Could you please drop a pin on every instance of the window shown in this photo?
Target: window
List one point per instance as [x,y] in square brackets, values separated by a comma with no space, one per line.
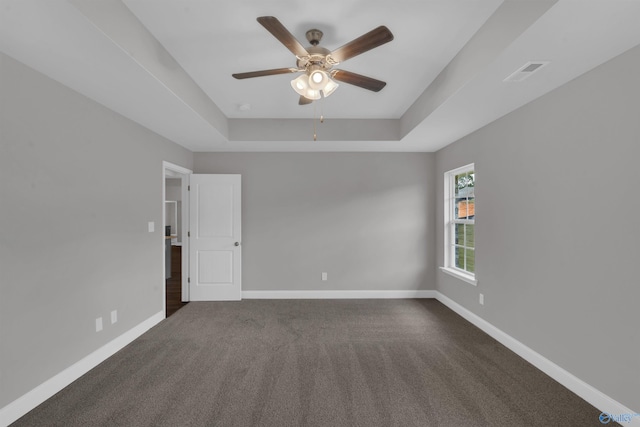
[459,216]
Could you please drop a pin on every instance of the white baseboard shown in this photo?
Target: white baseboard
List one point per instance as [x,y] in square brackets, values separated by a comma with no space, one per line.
[338,294]
[44,391]
[595,397]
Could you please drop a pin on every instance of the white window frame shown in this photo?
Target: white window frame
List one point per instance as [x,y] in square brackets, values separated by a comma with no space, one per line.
[449,225]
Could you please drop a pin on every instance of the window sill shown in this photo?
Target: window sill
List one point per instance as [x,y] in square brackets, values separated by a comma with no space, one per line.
[459,275]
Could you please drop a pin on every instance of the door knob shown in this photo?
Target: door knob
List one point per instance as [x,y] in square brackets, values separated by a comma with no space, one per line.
[236,244]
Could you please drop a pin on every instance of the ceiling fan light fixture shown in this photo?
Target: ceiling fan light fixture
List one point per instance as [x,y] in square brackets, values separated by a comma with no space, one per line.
[329,88]
[312,94]
[301,85]
[318,79]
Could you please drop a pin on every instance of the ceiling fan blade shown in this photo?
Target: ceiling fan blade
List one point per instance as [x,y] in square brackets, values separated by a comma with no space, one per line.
[279,31]
[358,80]
[262,73]
[373,38]
[304,100]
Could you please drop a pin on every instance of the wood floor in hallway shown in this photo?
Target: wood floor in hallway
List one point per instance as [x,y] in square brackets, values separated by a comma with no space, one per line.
[174,283]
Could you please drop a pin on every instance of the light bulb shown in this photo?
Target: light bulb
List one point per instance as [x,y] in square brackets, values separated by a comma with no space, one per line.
[318,79]
[312,94]
[300,84]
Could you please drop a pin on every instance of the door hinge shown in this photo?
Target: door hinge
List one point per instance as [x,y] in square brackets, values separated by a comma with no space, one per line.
[188,234]
[188,279]
[188,188]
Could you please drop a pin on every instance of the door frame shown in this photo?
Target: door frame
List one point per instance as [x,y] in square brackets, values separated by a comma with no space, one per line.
[170,170]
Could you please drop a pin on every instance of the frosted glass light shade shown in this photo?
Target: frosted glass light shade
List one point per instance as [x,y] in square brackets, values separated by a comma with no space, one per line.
[329,88]
[300,84]
[312,94]
[318,80]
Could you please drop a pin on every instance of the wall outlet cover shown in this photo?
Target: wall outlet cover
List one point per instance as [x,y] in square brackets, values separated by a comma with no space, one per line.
[98,324]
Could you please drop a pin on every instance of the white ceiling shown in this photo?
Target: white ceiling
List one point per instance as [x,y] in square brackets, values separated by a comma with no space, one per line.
[167,64]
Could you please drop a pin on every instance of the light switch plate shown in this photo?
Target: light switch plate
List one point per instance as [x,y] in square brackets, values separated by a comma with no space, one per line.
[114,316]
[152,226]
[98,324]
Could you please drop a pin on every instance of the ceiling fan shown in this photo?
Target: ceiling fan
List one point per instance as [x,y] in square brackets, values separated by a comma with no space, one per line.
[317,62]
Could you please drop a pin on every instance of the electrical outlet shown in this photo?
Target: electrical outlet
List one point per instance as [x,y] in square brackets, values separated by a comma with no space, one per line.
[481,299]
[98,324]
[324,276]
[114,316]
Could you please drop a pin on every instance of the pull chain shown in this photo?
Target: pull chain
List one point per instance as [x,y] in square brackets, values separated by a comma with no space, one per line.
[315,135]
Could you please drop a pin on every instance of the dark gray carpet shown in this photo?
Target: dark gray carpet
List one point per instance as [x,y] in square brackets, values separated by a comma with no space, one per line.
[314,363]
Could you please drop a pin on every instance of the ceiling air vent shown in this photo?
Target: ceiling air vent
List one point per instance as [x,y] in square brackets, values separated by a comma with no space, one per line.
[525,71]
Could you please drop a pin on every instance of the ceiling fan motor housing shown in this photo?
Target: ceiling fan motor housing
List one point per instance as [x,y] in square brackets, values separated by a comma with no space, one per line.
[318,56]
[314,36]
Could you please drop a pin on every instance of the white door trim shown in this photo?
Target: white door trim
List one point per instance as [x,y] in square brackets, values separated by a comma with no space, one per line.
[170,170]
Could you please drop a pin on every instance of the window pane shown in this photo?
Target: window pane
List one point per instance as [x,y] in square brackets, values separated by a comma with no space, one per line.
[465,208]
[471,260]
[471,208]
[461,208]
[459,234]
[470,240]
[464,184]
[459,258]
[457,181]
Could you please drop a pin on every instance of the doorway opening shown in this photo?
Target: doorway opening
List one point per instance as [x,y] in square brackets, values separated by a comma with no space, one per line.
[175,219]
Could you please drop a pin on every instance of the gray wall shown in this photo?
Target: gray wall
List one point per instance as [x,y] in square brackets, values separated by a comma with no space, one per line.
[173,189]
[557,229]
[78,184]
[367,219]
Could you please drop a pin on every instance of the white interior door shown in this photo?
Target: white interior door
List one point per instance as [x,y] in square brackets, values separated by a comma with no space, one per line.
[214,246]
